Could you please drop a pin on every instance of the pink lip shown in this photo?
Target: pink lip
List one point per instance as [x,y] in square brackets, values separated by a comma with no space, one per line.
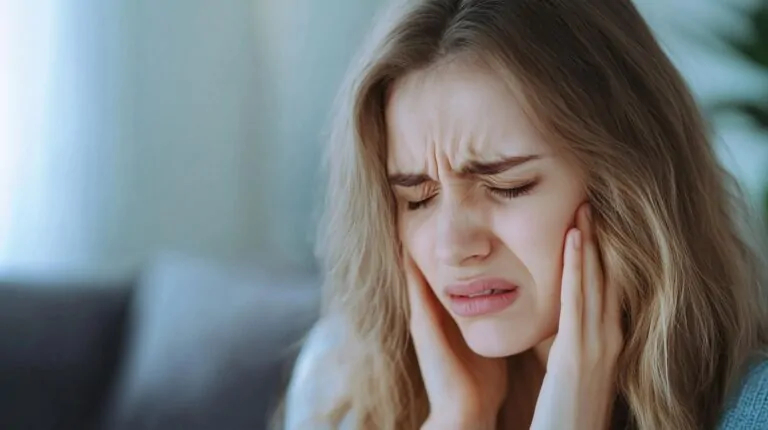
[463,305]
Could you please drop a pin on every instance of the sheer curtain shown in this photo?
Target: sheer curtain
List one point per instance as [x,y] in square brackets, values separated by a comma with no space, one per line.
[132,127]
[63,85]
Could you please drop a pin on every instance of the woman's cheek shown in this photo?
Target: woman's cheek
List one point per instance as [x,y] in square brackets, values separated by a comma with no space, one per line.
[536,238]
[414,237]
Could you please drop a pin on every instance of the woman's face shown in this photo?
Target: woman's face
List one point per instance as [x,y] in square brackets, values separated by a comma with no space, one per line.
[483,204]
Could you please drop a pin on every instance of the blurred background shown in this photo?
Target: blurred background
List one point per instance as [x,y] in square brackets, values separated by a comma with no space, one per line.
[131,130]
[132,127]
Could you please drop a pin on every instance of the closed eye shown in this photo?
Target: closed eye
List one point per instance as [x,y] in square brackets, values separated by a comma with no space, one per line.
[507,193]
[511,193]
[412,206]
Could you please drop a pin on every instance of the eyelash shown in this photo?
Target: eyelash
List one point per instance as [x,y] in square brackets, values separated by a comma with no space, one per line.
[507,193]
[511,193]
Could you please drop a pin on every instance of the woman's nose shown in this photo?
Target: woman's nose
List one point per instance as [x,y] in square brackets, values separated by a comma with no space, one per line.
[462,236]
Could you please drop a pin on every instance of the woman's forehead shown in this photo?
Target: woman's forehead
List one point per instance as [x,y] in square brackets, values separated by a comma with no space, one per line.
[459,111]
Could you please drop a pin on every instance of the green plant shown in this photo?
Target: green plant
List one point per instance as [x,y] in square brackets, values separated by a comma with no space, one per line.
[756,50]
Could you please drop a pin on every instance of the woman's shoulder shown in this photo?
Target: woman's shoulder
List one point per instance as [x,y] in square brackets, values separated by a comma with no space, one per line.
[748,409]
[317,379]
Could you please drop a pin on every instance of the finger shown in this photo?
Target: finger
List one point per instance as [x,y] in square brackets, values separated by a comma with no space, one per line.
[592,275]
[571,297]
[420,299]
[428,339]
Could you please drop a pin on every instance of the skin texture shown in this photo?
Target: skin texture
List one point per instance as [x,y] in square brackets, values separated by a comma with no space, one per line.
[440,120]
[455,227]
[467,390]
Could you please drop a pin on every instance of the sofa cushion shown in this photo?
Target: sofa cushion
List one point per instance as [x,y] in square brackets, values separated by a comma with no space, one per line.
[210,346]
[60,346]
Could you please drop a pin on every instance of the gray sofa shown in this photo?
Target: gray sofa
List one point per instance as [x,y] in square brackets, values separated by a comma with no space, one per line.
[188,344]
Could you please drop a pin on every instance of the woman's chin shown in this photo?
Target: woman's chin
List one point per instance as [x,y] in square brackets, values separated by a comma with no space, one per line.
[492,338]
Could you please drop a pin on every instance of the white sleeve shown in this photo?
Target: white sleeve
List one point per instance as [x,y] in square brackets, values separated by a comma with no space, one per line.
[317,379]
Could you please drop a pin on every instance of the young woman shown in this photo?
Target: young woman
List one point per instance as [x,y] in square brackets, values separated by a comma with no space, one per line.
[527,227]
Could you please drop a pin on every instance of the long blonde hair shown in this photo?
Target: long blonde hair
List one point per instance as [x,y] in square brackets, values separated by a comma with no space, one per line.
[669,217]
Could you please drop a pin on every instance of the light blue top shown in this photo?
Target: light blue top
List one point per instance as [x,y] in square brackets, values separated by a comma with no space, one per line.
[312,385]
[749,409]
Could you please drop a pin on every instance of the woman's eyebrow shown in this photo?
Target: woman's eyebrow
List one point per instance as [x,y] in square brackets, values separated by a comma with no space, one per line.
[471,168]
[490,168]
[408,179]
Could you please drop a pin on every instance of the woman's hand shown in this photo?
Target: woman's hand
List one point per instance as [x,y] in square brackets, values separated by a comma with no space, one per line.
[579,386]
[465,390]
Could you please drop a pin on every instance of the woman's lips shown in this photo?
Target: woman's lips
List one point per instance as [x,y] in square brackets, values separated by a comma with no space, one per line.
[481,297]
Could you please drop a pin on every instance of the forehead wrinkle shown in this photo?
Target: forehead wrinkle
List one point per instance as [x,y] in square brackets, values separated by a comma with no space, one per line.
[439,125]
[474,143]
[462,136]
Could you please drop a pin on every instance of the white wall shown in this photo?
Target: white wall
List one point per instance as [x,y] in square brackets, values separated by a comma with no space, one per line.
[309,46]
[187,125]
